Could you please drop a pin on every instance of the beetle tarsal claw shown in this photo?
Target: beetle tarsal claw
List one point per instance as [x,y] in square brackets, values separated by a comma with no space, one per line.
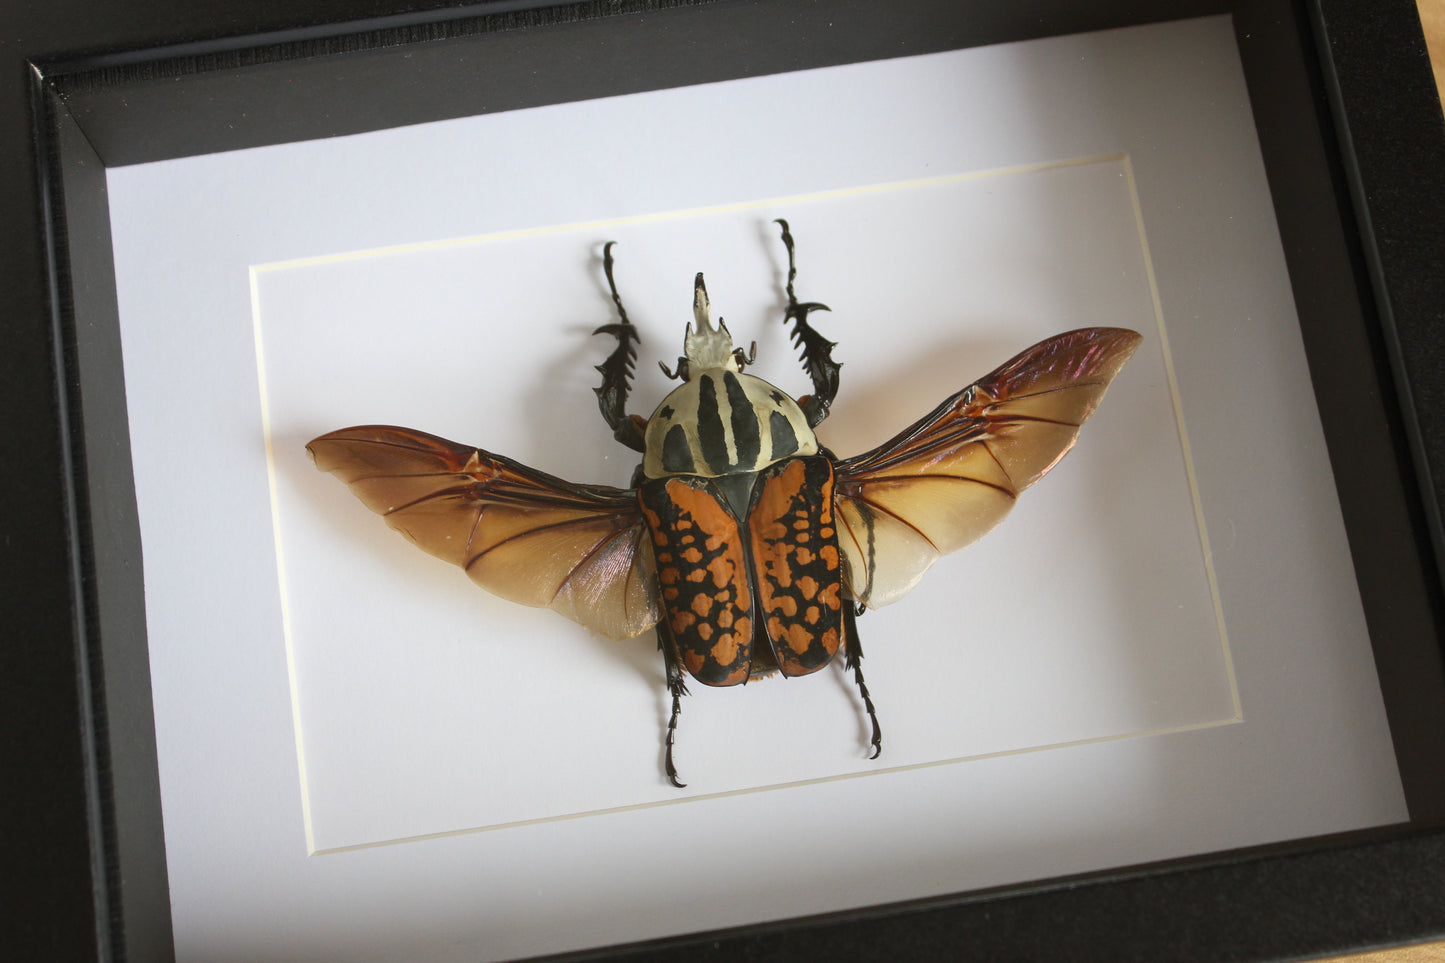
[877,741]
[853,653]
[671,731]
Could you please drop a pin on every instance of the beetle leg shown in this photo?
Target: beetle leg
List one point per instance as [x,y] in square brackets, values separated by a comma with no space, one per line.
[678,689]
[817,350]
[853,650]
[616,371]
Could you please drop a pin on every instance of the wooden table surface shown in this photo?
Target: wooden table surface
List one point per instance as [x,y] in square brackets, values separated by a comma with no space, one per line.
[1419,953]
[1432,18]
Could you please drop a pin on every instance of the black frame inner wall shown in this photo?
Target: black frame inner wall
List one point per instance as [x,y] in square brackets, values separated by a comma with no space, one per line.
[87,89]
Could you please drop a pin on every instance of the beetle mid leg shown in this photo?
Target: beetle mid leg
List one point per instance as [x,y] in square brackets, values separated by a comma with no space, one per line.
[677,688]
[817,351]
[617,370]
[853,651]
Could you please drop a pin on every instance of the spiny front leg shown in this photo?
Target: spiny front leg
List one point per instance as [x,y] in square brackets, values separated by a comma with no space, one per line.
[817,351]
[853,650]
[617,370]
[677,688]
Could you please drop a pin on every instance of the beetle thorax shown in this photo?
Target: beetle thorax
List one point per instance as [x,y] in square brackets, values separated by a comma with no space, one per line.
[721,421]
[724,422]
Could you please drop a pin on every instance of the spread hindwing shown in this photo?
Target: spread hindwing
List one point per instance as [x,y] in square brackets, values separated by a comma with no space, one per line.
[723,422]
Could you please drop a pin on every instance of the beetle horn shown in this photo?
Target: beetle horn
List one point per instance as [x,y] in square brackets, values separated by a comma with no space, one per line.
[701,308]
[706,346]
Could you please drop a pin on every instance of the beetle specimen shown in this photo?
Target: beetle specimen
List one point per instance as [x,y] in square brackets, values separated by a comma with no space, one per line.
[748,545]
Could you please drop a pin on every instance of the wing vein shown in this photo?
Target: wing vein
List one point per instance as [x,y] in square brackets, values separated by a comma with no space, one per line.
[883,509]
[468,489]
[587,557]
[569,523]
[935,476]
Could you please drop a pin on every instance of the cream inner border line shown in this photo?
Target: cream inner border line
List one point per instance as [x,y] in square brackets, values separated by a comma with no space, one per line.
[1183,441]
[687,212]
[291,676]
[472,831]
[258,270]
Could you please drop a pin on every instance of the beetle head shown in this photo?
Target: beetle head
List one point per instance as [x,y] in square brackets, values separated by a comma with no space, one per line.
[705,346]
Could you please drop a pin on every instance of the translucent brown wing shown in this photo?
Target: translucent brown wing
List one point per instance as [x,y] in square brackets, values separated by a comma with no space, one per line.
[954,474]
[581,550]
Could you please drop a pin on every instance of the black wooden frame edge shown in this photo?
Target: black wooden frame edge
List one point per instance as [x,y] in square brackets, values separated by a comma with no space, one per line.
[1391,138]
[1277,904]
[1380,858]
[1391,133]
[1390,526]
[93,86]
[96,798]
[129,867]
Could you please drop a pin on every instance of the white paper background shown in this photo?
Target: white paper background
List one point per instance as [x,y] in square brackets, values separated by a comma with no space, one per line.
[416,705]
[1089,616]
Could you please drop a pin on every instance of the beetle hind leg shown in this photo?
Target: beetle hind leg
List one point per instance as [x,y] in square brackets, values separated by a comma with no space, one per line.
[617,370]
[677,688]
[817,351]
[853,651]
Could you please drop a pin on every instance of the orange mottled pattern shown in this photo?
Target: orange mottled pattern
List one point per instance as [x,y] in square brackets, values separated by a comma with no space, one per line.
[702,576]
[795,554]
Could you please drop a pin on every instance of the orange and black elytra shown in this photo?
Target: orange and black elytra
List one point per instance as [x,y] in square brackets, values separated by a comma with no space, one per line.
[750,548]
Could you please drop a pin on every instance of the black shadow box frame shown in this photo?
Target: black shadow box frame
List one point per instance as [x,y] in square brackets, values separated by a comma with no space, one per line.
[1354,143]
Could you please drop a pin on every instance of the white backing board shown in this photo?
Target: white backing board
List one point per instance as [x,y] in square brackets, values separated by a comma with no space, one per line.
[1160,652]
